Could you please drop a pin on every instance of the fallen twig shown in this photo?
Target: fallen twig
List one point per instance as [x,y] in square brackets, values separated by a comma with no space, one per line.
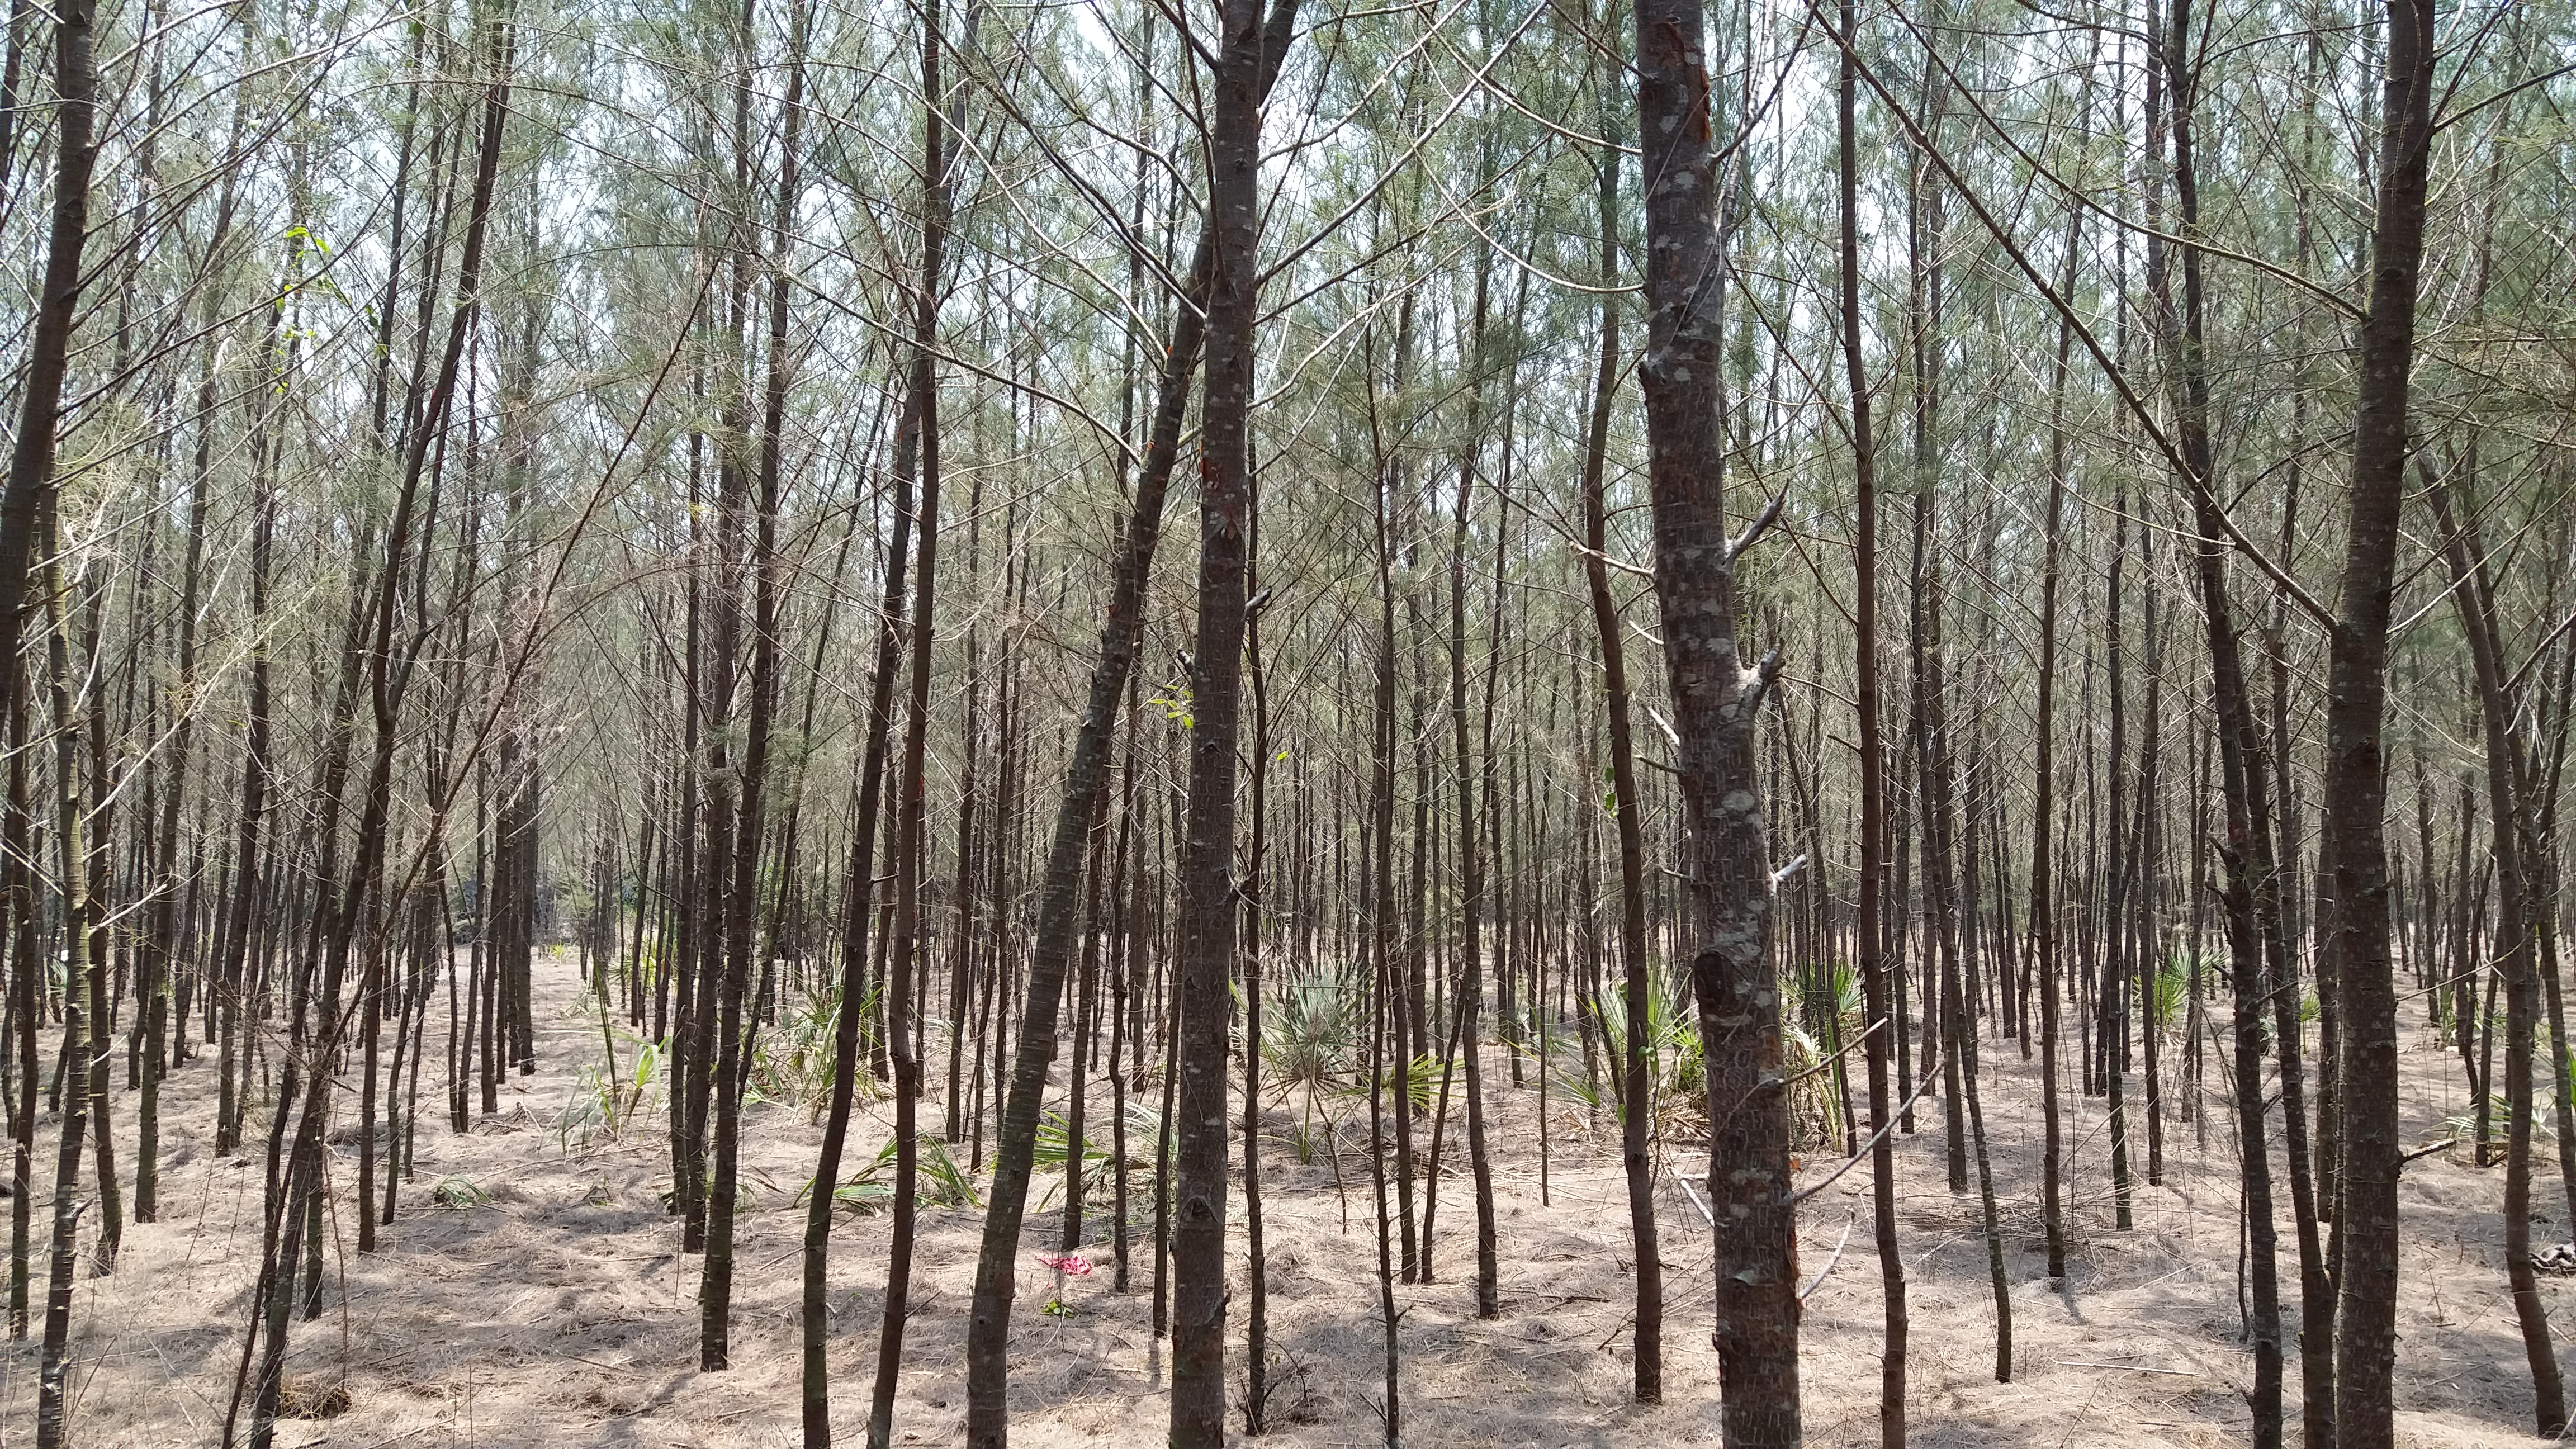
[1831,1259]
[1693,1194]
[1804,1193]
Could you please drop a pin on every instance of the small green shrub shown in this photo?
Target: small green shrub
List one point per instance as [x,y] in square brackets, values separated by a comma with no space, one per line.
[937,1180]
[457,1193]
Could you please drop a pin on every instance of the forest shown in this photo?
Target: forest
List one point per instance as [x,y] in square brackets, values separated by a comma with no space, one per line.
[1470,722]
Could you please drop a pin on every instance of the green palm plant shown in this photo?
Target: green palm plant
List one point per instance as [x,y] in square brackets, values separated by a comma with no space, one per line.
[792,1061]
[939,1179]
[1844,978]
[1814,1111]
[2167,990]
[1566,1077]
[1308,1038]
[1054,1143]
[591,1110]
[1417,1078]
[1673,1061]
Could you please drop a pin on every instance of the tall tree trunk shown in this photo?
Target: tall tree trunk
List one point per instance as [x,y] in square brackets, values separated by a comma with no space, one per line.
[908,852]
[2509,812]
[26,1002]
[858,900]
[1086,781]
[1716,702]
[1384,1006]
[1471,872]
[1636,1074]
[1870,923]
[101,829]
[742,902]
[2043,820]
[317,1021]
[1205,968]
[80,1039]
[732,857]
[2355,783]
[1256,1366]
[2250,899]
[31,457]
[161,944]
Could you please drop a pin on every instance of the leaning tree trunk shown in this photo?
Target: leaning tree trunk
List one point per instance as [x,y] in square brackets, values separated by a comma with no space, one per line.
[31,458]
[2509,812]
[2245,775]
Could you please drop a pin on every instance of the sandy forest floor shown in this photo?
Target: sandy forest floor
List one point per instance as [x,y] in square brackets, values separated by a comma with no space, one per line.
[559,1311]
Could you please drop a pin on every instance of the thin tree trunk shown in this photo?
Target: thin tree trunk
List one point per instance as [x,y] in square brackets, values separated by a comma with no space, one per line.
[100,828]
[53,1403]
[1636,1076]
[1869,922]
[31,457]
[26,1002]
[1256,1364]
[857,902]
[1471,876]
[716,1286]
[1205,968]
[2043,847]
[2355,783]
[908,849]
[1125,1048]
[2250,898]
[2509,812]
[1086,781]
[1384,1007]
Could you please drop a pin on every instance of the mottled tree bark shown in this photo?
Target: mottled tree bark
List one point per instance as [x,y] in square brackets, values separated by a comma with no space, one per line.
[1716,701]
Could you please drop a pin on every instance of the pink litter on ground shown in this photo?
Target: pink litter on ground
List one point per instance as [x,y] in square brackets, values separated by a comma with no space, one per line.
[1071,1264]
